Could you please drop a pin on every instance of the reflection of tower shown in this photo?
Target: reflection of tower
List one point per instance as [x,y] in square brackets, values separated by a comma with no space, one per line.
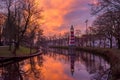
[72,60]
[71,37]
[72,64]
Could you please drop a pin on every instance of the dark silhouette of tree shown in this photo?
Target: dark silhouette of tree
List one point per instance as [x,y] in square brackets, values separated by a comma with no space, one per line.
[110,16]
[105,5]
[2,20]
[12,72]
[108,25]
[22,16]
[104,26]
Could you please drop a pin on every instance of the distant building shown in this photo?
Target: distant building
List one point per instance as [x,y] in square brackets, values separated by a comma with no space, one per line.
[71,37]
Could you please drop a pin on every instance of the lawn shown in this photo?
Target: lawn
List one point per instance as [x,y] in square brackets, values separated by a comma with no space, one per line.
[4,51]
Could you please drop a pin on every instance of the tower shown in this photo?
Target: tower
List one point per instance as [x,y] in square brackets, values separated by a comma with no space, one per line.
[71,37]
[72,48]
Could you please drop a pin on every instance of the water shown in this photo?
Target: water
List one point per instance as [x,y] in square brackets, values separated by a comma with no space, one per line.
[57,64]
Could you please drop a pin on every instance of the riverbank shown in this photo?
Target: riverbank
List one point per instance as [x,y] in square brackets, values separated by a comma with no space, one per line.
[112,55]
[7,57]
[4,51]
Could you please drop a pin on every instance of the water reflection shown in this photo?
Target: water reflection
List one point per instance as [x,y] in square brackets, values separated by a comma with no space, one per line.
[80,62]
[57,64]
[72,56]
[11,72]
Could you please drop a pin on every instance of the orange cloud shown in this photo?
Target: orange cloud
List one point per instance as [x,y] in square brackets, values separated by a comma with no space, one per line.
[95,2]
[54,12]
[58,15]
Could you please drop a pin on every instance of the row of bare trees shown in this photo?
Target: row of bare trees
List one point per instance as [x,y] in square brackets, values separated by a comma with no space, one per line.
[107,24]
[100,35]
[21,22]
[105,30]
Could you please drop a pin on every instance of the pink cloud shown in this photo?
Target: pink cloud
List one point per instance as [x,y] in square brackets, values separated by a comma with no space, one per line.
[56,12]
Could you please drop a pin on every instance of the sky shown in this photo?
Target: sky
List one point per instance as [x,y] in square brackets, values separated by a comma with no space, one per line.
[59,15]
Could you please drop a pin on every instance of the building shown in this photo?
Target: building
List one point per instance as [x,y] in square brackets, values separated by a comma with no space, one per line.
[71,37]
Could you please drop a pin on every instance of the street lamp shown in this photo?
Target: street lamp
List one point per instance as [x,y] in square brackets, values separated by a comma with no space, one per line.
[86,26]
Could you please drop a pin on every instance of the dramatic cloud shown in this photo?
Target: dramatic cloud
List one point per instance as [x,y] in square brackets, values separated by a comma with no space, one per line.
[60,14]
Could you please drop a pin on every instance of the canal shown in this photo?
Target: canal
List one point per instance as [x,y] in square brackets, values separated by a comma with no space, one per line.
[58,64]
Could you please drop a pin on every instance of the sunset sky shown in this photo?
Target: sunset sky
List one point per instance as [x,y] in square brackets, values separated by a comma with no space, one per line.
[60,14]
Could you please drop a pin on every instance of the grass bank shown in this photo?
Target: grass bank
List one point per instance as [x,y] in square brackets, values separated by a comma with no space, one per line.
[112,55]
[4,51]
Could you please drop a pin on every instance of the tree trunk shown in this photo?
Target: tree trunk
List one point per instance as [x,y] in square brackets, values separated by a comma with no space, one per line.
[90,43]
[118,43]
[100,43]
[14,51]
[10,45]
[17,45]
[0,40]
[93,43]
[110,43]
[104,42]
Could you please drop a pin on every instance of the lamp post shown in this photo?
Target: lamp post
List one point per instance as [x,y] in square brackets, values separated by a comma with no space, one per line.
[86,31]
[86,26]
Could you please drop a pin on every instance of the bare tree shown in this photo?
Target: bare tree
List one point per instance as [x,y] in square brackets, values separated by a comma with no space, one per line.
[108,25]
[104,26]
[105,5]
[2,20]
[22,16]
